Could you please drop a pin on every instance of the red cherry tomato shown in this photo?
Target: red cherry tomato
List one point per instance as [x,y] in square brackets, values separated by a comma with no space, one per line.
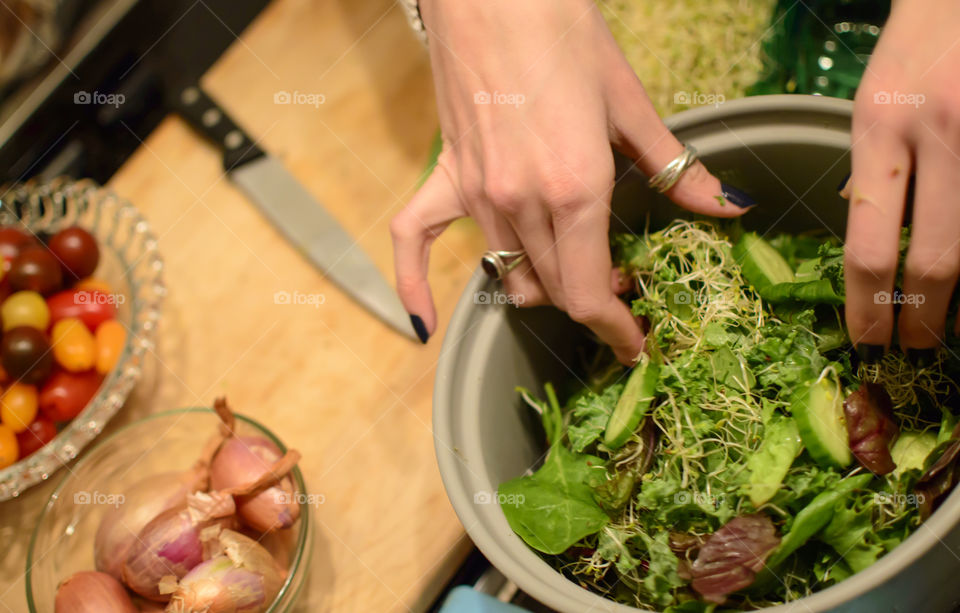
[36,269]
[91,307]
[37,434]
[77,251]
[65,394]
[11,241]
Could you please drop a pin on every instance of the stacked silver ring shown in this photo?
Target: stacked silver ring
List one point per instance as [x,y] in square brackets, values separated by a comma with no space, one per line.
[671,173]
[498,263]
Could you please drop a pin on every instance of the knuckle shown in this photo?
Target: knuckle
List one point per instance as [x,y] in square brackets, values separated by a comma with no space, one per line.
[506,193]
[930,266]
[565,191]
[405,226]
[408,282]
[868,260]
[944,108]
[472,188]
[583,308]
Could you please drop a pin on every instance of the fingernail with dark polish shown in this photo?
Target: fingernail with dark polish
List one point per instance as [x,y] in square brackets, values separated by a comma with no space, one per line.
[870,354]
[922,357]
[843,182]
[420,328]
[737,197]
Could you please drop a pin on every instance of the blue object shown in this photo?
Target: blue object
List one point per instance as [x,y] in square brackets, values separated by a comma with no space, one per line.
[463,599]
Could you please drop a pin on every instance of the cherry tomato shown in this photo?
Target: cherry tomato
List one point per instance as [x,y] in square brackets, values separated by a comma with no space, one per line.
[73,345]
[77,251]
[11,241]
[110,338]
[18,406]
[25,309]
[9,450]
[92,308]
[36,269]
[25,354]
[37,434]
[92,284]
[65,394]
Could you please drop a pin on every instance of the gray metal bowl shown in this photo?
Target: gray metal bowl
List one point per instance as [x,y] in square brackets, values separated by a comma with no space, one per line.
[789,152]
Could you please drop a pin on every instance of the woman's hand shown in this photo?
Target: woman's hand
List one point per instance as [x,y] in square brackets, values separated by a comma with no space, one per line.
[906,120]
[531,96]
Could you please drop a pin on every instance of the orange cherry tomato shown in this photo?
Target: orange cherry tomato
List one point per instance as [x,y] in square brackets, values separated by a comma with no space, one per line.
[9,450]
[73,346]
[110,338]
[18,406]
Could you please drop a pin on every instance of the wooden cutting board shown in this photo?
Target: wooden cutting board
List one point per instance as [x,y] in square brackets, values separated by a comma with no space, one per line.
[330,380]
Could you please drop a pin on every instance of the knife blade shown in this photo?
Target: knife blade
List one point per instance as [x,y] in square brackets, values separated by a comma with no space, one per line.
[285,203]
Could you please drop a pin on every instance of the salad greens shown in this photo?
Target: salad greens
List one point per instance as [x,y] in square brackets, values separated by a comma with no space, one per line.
[734,430]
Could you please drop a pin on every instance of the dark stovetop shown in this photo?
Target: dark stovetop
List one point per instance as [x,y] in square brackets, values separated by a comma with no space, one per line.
[66,119]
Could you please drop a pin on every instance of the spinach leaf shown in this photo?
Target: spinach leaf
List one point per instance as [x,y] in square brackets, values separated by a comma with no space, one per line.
[554,507]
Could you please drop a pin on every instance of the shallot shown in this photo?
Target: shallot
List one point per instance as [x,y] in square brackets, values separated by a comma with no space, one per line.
[141,503]
[92,592]
[254,469]
[244,578]
[174,542]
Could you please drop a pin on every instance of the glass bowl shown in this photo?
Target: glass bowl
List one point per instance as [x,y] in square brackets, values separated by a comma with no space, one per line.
[62,542]
[129,263]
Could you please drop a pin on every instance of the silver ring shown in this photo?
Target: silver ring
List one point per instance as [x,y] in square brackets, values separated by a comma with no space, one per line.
[498,263]
[671,173]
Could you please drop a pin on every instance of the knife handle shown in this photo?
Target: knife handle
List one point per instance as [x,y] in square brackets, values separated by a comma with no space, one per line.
[207,117]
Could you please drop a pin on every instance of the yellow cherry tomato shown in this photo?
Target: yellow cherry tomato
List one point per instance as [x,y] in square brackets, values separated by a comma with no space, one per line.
[110,337]
[25,309]
[73,346]
[92,284]
[18,406]
[9,450]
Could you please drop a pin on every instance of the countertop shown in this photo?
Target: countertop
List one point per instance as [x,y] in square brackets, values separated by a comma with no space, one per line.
[331,380]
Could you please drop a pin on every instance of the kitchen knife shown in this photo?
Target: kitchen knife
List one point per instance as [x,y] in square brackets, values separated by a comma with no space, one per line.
[292,210]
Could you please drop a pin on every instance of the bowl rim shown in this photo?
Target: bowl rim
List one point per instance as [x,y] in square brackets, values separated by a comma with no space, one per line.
[556,590]
[73,437]
[303,536]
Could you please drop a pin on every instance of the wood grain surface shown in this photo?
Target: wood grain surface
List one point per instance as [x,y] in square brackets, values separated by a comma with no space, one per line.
[330,380]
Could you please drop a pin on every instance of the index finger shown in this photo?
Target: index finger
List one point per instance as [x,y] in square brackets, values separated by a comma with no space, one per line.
[583,250]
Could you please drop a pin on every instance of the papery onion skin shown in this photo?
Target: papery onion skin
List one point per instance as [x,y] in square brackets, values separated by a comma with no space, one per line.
[142,502]
[92,592]
[244,459]
[245,579]
[169,544]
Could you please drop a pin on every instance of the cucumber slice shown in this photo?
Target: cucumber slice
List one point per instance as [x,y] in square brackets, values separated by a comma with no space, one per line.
[761,264]
[769,465]
[911,450]
[818,410]
[633,404]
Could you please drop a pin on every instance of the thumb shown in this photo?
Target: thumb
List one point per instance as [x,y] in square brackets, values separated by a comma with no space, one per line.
[413,230]
[640,134]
